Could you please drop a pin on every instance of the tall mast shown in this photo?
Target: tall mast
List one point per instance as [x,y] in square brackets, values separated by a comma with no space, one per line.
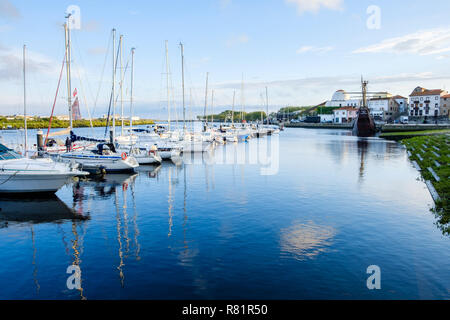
[212,107]
[69,84]
[167,73]
[232,110]
[25,103]
[114,83]
[206,101]
[267,106]
[182,81]
[364,92]
[131,91]
[190,109]
[242,98]
[121,83]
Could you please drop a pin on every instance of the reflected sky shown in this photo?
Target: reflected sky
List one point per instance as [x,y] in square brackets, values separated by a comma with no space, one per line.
[211,229]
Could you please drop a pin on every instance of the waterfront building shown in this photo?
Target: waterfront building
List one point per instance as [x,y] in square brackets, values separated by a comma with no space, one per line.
[384,108]
[445,105]
[426,102]
[345,114]
[324,118]
[342,99]
[402,103]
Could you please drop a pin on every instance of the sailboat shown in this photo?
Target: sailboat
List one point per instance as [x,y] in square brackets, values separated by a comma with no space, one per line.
[103,157]
[194,143]
[127,141]
[19,174]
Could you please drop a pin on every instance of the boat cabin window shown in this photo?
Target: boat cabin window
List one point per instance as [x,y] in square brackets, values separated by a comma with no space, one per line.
[8,154]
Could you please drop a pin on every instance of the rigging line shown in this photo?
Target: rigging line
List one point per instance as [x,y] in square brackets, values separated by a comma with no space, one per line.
[84,96]
[111,96]
[82,64]
[103,72]
[56,96]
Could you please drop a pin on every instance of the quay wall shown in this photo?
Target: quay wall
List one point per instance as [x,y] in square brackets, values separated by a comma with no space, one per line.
[320,125]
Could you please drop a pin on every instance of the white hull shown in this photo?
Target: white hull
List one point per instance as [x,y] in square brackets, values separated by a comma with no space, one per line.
[45,183]
[93,162]
[196,146]
[34,175]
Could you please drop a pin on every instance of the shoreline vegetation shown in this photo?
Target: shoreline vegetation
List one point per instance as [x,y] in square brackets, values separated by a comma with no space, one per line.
[43,123]
[431,156]
[238,116]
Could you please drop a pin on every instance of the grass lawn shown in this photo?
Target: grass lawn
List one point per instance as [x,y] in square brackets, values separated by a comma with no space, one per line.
[408,134]
[433,151]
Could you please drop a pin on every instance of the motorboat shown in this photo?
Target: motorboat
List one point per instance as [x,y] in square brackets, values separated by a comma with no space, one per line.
[19,174]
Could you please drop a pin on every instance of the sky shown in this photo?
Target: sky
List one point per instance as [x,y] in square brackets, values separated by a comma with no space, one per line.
[301,50]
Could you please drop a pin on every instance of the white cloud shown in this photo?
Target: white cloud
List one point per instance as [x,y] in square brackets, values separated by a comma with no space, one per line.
[425,42]
[313,49]
[315,5]
[8,10]
[11,64]
[235,40]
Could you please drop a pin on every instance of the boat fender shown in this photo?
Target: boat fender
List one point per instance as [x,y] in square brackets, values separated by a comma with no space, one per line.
[124,156]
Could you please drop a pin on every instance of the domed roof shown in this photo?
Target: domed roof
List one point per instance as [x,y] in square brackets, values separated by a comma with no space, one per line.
[340,95]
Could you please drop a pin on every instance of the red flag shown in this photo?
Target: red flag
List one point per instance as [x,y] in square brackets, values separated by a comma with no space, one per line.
[75,92]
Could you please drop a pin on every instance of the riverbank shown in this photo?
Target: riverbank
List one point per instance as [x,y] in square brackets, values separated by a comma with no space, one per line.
[431,155]
[413,127]
[399,135]
[44,122]
[320,125]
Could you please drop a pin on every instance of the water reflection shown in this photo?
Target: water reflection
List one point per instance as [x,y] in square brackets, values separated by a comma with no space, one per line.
[306,240]
[36,210]
[362,149]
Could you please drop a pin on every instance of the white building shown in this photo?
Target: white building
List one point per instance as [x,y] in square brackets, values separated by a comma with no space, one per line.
[342,99]
[326,117]
[345,114]
[425,102]
[384,108]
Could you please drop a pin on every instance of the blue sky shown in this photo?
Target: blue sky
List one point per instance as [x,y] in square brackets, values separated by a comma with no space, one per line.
[302,50]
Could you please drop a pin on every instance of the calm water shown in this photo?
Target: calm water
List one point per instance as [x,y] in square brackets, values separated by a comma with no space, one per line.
[209,228]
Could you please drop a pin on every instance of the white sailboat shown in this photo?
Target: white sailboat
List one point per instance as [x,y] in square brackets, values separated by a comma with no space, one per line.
[104,157]
[19,174]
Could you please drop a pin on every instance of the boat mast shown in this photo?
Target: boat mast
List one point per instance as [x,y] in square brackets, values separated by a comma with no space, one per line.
[167,73]
[182,81]
[364,91]
[68,55]
[232,110]
[206,102]
[242,99]
[267,107]
[212,107]
[25,104]
[131,91]
[114,84]
[121,83]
